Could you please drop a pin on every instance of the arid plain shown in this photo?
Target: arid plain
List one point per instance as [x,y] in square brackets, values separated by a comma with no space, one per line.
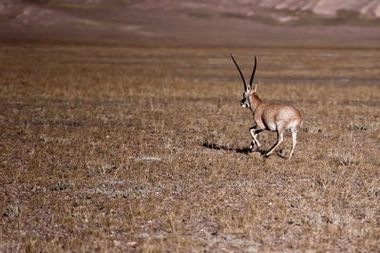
[110,148]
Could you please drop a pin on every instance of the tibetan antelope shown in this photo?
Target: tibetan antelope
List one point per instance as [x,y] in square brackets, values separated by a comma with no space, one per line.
[269,116]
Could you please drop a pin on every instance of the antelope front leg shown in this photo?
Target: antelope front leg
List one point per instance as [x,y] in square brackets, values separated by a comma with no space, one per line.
[253,131]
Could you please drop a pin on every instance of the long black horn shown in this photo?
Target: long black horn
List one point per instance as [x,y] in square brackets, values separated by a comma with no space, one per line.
[241,74]
[253,73]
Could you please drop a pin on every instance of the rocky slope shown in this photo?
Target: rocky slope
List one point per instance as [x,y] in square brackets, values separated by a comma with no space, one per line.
[278,10]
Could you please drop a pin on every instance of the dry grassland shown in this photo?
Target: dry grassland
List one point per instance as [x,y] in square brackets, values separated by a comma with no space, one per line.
[145,149]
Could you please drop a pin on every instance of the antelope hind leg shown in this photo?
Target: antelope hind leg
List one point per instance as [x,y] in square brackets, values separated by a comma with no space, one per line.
[280,138]
[294,142]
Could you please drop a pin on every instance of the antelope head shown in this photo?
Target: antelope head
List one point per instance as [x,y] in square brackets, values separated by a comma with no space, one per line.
[249,92]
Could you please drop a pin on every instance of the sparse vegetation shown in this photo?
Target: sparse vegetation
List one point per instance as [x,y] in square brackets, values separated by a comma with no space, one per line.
[144,149]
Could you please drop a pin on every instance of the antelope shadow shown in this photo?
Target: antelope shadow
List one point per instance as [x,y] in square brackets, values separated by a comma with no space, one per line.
[243,150]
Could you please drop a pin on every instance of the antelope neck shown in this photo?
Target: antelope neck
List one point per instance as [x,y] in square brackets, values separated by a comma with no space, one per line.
[254,101]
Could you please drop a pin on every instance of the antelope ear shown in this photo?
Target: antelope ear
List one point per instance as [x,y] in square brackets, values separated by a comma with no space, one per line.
[255,87]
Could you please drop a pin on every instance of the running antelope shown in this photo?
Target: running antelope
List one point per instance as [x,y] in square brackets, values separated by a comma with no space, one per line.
[269,116]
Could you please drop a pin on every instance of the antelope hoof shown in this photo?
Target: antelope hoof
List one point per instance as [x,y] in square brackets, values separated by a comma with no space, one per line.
[254,147]
[267,154]
[282,154]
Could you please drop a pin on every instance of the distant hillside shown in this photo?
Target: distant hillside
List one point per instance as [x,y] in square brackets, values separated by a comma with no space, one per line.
[281,11]
[191,21]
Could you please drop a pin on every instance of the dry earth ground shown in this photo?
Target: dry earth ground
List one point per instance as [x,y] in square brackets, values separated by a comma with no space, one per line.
[144,149]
